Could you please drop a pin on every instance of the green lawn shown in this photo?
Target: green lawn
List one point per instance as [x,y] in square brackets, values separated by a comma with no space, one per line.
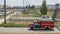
[22,24]
[17,23]
[1,17]
[13,25]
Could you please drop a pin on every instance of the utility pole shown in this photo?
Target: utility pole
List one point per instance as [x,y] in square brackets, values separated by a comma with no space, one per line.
[4,11]
[55,11]
[55,15]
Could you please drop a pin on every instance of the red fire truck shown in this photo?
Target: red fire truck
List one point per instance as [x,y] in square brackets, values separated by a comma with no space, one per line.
[45,22]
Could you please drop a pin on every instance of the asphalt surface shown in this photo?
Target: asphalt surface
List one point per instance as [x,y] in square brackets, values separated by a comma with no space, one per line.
[24,30]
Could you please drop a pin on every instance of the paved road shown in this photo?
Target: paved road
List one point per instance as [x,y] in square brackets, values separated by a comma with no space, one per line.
[24,30]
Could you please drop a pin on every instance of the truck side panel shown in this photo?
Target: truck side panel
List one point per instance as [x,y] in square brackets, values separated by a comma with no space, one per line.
[48,24]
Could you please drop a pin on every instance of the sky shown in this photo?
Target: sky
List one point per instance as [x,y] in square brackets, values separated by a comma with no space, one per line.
[27,2]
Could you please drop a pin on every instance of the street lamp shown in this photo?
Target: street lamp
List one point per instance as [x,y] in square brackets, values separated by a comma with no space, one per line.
[4,11]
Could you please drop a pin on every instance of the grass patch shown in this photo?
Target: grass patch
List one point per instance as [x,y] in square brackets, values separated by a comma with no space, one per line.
[34,12]
[7,14]
[13,25]
[50,13]
[58,24]
[1,17]
[23,23]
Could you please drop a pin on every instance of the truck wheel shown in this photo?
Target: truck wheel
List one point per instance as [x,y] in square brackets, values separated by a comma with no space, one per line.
[47,28]
[31,28]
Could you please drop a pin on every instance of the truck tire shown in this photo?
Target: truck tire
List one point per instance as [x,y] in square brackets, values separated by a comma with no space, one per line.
[47,28]
[32,28]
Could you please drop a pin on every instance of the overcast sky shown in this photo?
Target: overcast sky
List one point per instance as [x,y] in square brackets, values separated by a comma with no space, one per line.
[27,2]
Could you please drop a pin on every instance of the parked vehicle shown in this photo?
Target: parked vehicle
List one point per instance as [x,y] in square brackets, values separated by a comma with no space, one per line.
[45,22]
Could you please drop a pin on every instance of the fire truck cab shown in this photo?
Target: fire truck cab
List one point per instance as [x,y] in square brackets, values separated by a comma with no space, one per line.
[45,22]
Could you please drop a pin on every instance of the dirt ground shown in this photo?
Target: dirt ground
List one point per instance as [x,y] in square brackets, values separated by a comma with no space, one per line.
[30,33]
[22,22]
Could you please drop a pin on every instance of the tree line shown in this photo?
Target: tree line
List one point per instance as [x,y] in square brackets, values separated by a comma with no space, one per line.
[43,8]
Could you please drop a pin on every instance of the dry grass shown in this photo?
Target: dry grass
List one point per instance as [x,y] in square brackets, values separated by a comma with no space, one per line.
[22,22]
[50,13]
[57,24]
